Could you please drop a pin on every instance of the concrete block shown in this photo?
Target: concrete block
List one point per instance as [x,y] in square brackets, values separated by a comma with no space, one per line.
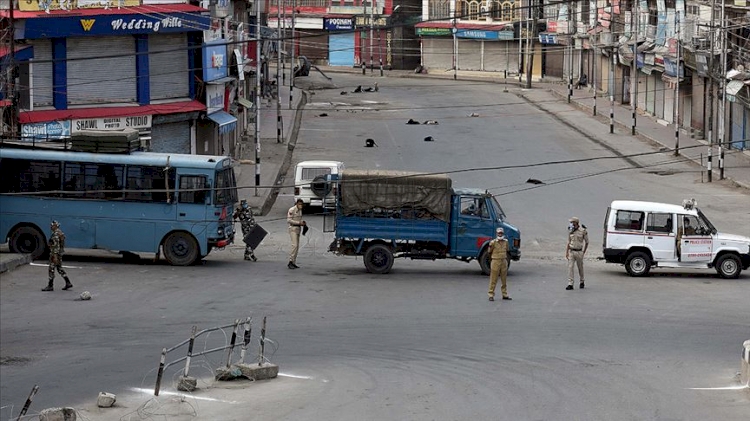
[58,414]
[259,372]
[745,371]
[105,400]
[187,384]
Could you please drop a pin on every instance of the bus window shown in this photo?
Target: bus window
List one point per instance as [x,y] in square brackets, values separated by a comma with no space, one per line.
[192,189]
[226,188]
[20,176]
[149,183]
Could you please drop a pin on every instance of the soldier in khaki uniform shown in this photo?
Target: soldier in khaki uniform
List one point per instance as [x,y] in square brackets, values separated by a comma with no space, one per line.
[498,250]
[56,250]
[294,219]
[578,243]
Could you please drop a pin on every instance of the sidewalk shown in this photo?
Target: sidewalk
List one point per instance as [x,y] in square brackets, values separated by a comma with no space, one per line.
[10,261]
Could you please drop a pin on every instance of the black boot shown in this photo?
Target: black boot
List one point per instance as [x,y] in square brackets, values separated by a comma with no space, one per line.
[68,285]
[49,286]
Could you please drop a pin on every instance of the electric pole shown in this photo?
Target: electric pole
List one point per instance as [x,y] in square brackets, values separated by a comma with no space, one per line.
[258,66]
[634,23]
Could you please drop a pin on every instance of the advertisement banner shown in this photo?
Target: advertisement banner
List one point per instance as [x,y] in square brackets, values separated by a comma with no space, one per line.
[433,31]
[215,98]
[215,60]
[50,130]
[338,24]
[111,123]
[47,5]
[115,24]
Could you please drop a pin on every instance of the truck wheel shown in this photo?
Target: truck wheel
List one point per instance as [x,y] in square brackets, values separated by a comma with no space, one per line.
[28,240]
[638,264]
[729,266]
[181,249]
[486,264]
[378,259]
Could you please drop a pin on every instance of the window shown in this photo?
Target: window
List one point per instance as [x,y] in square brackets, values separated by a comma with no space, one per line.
[311,173]
[22,176]
[474,206]
[691,225]
[659,222]
[226,188]
[149,184]
[93,181]
[629,221]
[193,189]
[438,9]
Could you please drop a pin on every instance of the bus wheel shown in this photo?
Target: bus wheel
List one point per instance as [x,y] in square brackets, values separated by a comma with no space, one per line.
[181,249]
[28,240]
[729,266]
[378,259]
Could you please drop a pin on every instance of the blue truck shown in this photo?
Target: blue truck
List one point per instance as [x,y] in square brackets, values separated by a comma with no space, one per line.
[383,215]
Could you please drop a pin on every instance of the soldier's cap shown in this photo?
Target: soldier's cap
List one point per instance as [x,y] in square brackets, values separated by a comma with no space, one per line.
[500,230]
[575,219]
[53,223]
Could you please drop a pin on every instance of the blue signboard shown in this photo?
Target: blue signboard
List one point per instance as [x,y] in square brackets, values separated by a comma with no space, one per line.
[670,67]
[46,131]
[119,24]
[215,60]
[477,34]
[639,60]
[338,24]
[545,38]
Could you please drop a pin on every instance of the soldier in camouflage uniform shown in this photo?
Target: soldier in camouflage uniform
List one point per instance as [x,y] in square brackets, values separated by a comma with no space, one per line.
[245,215]
[56,250]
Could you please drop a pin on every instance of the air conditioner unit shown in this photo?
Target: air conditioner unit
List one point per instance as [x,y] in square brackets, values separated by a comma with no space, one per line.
[701,43]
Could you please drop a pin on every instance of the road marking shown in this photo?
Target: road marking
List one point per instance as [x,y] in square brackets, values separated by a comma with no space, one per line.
[181,395]
[294,376]
[739,387]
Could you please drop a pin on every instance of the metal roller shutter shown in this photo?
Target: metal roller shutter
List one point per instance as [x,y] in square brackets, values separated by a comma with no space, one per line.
[42,73]
[169,70]
[103,80]
[499,54]
[553,61]
[469,54]
[171,138]
[437,53]
[313,45]
[659,96]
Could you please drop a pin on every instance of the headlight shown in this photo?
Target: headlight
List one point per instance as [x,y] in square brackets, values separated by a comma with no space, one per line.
[221,232]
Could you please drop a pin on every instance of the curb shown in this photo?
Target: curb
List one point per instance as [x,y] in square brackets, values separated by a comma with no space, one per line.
[287,161]
[745,367]
[16,260]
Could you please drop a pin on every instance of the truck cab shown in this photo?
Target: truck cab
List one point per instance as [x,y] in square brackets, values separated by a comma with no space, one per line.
[475,216]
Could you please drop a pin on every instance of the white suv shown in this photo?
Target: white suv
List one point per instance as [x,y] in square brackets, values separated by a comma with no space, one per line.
[645,234]
[310,182]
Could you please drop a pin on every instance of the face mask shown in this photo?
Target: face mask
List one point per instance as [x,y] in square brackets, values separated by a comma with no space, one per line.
[571,227]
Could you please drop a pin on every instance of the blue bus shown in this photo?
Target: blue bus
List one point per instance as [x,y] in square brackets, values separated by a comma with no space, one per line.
[177,204]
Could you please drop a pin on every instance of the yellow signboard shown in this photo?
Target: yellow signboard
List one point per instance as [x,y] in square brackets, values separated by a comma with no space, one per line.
[49,5]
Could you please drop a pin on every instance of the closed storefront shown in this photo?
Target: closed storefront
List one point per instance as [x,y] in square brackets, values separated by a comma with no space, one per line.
[437,53]
[553,60]
[469,54]
[314,46]
[168,66]
[739,125]
[171,137]
[41,90]
[341,49]
[500,56]
[669,95]
[658,96]
[101,80]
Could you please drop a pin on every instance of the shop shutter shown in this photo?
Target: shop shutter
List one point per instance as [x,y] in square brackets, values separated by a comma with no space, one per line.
[659,96]
[42,73]
[498,54]
[101,80]
[553,61]
[469,54]
[314,46]
[437,53]
[341,49]
[171,138]
[169,70]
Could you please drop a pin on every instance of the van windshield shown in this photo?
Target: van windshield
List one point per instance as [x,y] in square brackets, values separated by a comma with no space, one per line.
[707,222]
[498,210]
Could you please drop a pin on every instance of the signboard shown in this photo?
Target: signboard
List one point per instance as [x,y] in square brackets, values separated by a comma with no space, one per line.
[45,131]
[701,64]
[548,38]
[111,123]
[484,35]
[551,25]
[215,60]
[47,5]
[670,67]
[377,21]
[215,98]
[338,24]
[116,24]
[434,32]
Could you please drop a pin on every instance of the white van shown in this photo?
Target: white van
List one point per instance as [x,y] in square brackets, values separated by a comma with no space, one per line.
[642,235]
[310,182]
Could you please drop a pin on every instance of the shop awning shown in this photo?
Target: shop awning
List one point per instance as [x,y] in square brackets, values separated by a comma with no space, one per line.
[100,112]
[21,52]
[245,103]
[227,122]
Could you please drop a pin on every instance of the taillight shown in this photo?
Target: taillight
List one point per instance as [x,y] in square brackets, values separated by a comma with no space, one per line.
[517,242]
[296,191]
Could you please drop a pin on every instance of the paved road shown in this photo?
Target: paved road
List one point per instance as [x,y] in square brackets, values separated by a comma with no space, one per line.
[422,342]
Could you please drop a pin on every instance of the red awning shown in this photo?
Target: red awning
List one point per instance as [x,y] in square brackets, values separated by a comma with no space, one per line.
[463,25]
[101,112]
[156,9]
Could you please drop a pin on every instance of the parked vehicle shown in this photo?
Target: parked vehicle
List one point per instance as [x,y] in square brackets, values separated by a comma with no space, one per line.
[383,215]
[136,202]
[310,183]
[642,235]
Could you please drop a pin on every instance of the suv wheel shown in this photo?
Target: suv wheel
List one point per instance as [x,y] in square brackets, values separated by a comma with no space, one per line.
[638,264]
